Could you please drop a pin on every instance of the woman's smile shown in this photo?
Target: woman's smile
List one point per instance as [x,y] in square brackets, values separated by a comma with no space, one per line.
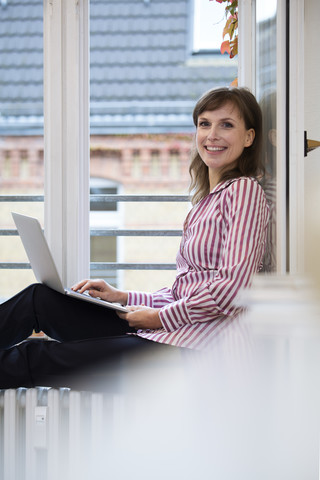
[214,149]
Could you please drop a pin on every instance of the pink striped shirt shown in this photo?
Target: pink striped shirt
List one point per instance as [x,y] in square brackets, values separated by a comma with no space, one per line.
[221,249]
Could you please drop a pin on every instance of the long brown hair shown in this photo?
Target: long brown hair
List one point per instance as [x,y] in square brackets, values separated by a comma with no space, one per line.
[249,163]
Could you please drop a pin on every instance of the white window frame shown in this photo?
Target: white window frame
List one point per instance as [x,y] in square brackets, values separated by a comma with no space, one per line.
[246,71]
[66,130]
[66,135]
[296,136]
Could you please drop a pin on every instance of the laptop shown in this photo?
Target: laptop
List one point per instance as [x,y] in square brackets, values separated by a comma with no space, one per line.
[42,263]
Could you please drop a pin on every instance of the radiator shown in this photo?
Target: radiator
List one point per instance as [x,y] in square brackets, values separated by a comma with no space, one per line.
[52,434]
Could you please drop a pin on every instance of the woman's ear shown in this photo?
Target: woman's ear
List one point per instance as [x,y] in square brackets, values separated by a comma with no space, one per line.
[250,134]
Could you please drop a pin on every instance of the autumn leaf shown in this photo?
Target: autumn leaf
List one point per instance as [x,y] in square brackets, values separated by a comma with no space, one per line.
[230,26]
[234,47]
[230,46]
[226,27]
[225,47]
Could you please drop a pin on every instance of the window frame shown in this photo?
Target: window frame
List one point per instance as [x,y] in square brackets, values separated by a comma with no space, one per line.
[246,78]
[66,135]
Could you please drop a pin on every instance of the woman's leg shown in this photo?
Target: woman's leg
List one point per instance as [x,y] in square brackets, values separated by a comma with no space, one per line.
[61,317]
[17,318]
[95,364]
[94,344]
[65,318]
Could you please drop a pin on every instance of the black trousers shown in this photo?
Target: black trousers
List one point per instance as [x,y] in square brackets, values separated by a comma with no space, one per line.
[91,344]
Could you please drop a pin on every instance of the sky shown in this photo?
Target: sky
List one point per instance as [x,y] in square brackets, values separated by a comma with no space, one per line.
[209,21]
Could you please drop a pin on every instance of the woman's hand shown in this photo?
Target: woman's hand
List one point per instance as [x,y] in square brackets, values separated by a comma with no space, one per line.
[101,289]
[142,317]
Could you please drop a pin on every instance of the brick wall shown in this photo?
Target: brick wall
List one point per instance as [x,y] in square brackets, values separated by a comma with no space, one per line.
[145,164]
[152,162]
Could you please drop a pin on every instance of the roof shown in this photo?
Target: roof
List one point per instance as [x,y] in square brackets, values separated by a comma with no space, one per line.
[143,76]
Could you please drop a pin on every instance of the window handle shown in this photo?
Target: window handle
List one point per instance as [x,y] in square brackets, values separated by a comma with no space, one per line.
[309,145]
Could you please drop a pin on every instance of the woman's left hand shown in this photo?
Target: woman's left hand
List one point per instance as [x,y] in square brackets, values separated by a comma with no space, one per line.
[142,317]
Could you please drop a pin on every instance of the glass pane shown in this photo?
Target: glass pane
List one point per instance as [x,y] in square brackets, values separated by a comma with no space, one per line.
[266,91]
[21,129]
[208,24]
[143,87]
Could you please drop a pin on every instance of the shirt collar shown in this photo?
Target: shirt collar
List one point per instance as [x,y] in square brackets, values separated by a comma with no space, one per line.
[222,185]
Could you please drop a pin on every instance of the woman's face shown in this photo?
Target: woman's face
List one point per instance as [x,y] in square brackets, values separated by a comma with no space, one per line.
[220,138]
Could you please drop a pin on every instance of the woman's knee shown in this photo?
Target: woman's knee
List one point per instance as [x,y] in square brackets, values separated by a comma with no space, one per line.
[42,291]
[32,288]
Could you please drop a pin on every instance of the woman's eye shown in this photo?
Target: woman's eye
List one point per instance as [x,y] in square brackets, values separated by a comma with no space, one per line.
[203,123]
[227,125]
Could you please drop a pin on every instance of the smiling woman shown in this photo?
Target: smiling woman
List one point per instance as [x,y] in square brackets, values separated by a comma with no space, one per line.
[222,247]
[221,137]
[230,119]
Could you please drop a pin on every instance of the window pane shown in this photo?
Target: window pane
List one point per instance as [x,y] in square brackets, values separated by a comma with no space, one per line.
[208,24]
[21,127]
[266,87]
[143,89]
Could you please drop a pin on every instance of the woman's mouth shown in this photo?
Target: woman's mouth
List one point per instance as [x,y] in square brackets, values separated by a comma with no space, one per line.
[214,149]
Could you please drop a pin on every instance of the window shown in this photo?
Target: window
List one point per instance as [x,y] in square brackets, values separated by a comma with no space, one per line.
[266,93]
[103,217]
[208,23]
[143,89]
[21,127]
[142,94]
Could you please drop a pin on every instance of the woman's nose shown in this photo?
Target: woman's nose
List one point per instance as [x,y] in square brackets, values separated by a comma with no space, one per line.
[213,133]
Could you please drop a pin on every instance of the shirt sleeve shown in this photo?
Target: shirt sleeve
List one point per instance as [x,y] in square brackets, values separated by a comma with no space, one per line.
[155,300]
[244,211]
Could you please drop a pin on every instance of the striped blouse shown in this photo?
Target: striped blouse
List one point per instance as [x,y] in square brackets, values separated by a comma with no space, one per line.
[221,249]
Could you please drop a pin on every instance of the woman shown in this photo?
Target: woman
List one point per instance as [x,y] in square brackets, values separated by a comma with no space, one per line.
[221,249]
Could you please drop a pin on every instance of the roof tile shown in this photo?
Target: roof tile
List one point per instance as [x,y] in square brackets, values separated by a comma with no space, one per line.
[138,54]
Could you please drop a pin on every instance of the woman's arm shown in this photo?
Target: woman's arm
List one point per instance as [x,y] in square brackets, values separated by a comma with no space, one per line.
[245,214]
[142,313]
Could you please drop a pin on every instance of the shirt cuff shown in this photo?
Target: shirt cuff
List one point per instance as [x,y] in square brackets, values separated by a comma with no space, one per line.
[140,298]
